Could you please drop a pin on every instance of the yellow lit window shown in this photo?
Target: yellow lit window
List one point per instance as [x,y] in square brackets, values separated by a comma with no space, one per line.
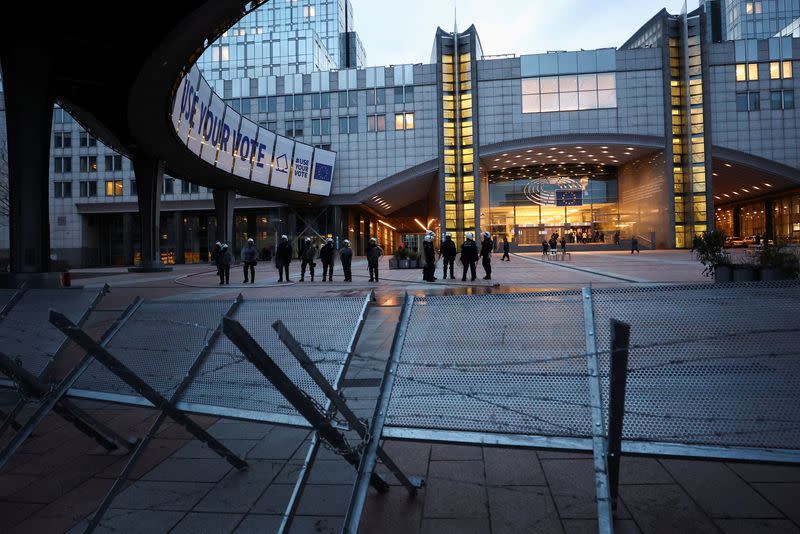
[447,59]
[225,53]
[741,73]
[748,8]
[787,69]
[398,121]
[409,121]
[447,68]
[774,70]
[464,57]
[752,71]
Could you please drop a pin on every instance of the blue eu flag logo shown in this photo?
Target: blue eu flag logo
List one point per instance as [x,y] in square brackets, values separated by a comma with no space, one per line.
[569,197]
[323,172]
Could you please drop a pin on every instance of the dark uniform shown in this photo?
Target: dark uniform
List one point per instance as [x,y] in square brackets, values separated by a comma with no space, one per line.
[346,257]
[249,261]
[374,252]
[469,257]
[430,261]
[307,254]
[505,250]
[283,256]
[448,256]
[224,260]
[326,255]
[486,253]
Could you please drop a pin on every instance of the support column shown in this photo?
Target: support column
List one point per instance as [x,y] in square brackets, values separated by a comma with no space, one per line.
[737,221]
[127,237]
[223,206]
[149,173]
[769,221]
[179,244]
[27,82]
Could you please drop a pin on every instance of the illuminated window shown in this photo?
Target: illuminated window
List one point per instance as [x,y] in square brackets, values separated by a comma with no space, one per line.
[224,53]
[775,70]
[787,69]
[114,188]
[309,11]
[741,72]
[569,93]
[752,71]
[404,121]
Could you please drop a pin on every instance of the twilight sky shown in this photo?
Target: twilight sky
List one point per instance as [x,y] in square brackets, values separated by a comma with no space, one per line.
[401,31]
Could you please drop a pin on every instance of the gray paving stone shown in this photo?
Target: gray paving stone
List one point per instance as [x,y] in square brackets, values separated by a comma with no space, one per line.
[633,470]
[259,524]
[289,473]
[199,523]
[523,509]
[572,485]
[137,521]
[458,471]
[316,525]
[456,452]
[274,500]
[190,470]
[153,495]
[756,526]
[448,499]
[280,444]
[394,512]
[240,489]
[766,473]
[513,467]
[225,429]
[589,526]
[198,449]
[332,472]
[784,496]
[703,480]
[325,500]
[665,508]
[475,525]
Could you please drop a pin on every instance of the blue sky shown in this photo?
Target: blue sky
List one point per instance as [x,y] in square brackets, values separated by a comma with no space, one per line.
[401,31]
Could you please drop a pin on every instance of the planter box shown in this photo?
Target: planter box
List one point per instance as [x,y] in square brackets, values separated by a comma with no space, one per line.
[723,273]
[744,274]
[773,273]
[393,263]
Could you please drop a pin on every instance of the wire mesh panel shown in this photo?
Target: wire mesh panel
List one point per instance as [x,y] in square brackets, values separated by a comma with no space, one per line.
[26,333]
[159,343]
[162,339]
[709,364]
[325,327]
[510,363]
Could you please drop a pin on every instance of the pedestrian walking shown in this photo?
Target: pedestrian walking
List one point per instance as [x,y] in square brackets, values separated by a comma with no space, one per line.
[249,260]
[307,254]
[486,254]
[283,257]
[563,245]
[430,258]
[505,257]
[374,252]
[616,238]
[469,256]
[545,247]
[326,255]
[224,260]
[448,251]
[346,257]
[634,245]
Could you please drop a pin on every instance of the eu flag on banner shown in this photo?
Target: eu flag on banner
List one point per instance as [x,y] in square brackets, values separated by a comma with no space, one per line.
[323,172]
[569,197]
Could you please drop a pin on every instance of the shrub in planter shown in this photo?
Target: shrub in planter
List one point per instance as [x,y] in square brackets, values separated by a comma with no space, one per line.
[777,263]
[708,249]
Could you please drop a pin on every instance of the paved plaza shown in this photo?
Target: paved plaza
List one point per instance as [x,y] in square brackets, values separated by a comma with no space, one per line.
[59,476]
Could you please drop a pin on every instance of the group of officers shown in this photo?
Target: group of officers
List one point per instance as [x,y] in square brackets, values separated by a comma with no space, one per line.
[470,254]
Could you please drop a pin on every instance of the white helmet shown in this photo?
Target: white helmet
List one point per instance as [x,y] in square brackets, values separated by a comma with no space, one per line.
[307,239]
[224,246]
[347,242]
[373,240]
[448,234]
[284,238]
[487,235]
[250,240]
[470,235]
[329,240]
[428,238]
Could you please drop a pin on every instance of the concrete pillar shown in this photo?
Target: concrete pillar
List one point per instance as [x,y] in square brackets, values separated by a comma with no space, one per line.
[223,206]
[27,83]
[179,244]
[769,220]
[127,237]
[149,173]
[737,221]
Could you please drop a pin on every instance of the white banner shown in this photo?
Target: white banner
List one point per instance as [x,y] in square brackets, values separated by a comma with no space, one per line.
[301,167]
[245,144]
[230,124]
[180,103]
[263,156]
[195,126]
[322,172]
[281,162]
[212,129]
[188,101]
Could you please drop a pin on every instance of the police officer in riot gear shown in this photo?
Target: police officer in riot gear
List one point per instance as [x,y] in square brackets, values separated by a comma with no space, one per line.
[326,255]
[346,257]
[430,258]
[486,254]
[374,252]
[307,254]
[283,256]
[448,251]
[469,256]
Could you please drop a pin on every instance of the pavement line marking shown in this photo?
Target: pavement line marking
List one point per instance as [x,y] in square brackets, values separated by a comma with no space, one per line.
[588,271]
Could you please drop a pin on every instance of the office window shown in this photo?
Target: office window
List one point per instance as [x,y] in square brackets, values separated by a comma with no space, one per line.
[272,104]
[245,109]
[58,116]
[114,188]
[298,102]
[62,140]
[404,121]
[88,188]
[780,69]
[86,140]
[352,99]
[288,102]
[320,101]
[62,165]
[262,105]
[87,163]
[309,11]
[752,71]
[113,163]
[753,8]
[376,97]
[320,126]
[741,102]
[788,99]
[741,72]
[409,94]
[755,101]
[786,69]
[169,186]
[298,128]
[134,190]
[272,126]
[342,99]
[235,105]
[376,123]
[569,93]
[781,99]
[184,187]
[746,71]
[348,125]
[63,189]
[224,53]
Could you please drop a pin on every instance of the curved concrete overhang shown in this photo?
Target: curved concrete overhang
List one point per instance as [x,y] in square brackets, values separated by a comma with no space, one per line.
[739,176]
[570,140]
[791,174]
